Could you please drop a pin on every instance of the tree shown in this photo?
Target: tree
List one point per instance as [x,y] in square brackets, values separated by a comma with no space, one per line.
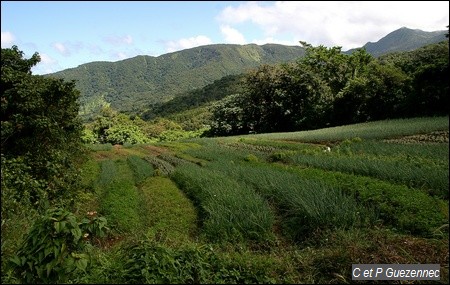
[117,128]
[379,94]
[228,117]
[40,130]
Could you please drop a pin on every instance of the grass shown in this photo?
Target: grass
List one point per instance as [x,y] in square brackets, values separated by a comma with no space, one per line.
[120,199]
[141,168]
[266,208]
[409,210]
[230,211]
[305,205]
[171,216]
[433,179]
[370,130]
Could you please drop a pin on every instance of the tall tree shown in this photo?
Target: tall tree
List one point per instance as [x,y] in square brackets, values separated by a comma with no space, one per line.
[39,127]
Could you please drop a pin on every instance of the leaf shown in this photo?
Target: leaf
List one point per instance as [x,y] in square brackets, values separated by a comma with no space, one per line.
[49,268]
[16,260]
[81,264]
[47,251]
[56,251]
[57,226]
[76,232]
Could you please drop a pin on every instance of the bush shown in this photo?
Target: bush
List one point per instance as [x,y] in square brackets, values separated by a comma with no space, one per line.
[54,249]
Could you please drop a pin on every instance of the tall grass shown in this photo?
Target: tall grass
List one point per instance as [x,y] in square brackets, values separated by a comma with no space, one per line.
[162,167]
[230,211]
[305,205]
[108,172]
[370,130]
[433,179]
[120,199]
[409,210]
[99,147]
[141,168]
[171,217]
[437,154]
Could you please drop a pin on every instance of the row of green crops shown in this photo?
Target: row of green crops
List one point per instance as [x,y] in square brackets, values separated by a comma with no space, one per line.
[431,178]
[230,211]
[370,130]
[415,165]
[409,210]
[305,205]
[120,198]
[141,168]
[316,195]
[171,217]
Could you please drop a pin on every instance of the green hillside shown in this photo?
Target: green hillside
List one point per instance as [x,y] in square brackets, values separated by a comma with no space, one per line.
[136,84]
[132,84]
[403,39]
[217,90]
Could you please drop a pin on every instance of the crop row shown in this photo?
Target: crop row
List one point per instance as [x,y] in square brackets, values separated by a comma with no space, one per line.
[230,211]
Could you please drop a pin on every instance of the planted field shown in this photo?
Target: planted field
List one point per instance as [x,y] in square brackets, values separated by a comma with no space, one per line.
[272,208]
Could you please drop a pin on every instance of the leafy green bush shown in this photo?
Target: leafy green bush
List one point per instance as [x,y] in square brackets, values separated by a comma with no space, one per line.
[54,249]
[151,263]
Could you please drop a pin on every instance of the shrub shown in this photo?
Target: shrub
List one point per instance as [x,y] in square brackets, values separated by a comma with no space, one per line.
[53,250]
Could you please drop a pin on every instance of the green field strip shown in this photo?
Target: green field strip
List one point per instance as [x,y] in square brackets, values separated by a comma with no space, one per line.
[411,211]
[170,215]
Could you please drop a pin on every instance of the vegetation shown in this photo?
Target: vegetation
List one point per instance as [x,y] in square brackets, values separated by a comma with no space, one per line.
[153,202]
[328,88]
[40,181]
[253,212]
[134,84]
[141,84]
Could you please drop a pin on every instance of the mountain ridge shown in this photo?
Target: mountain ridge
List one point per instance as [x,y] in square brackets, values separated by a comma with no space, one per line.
[133,84]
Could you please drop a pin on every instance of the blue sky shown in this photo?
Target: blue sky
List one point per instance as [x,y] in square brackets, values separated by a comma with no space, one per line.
[69,33]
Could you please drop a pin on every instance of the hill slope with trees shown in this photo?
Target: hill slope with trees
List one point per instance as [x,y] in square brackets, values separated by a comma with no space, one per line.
[135,85]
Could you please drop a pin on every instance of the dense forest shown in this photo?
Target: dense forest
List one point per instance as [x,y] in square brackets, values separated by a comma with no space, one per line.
[328,88]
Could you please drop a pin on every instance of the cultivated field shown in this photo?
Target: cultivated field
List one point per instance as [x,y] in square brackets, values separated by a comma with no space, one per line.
[296,207]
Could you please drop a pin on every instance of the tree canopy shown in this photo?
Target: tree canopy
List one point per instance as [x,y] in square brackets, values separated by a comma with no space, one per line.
[329,88]
[40,131]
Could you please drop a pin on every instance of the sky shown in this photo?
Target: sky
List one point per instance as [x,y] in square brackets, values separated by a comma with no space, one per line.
[67,34]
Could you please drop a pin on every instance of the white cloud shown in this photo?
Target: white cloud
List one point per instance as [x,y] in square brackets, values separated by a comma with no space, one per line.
[119,55]
[186,43]
[67,48]
[61,48]
[115,55]
[47,60]
[46,65]
[232,36]
[119,40]
[7,39]
[345,23]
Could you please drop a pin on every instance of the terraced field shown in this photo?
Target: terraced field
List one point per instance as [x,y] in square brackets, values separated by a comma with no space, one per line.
[271,208]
